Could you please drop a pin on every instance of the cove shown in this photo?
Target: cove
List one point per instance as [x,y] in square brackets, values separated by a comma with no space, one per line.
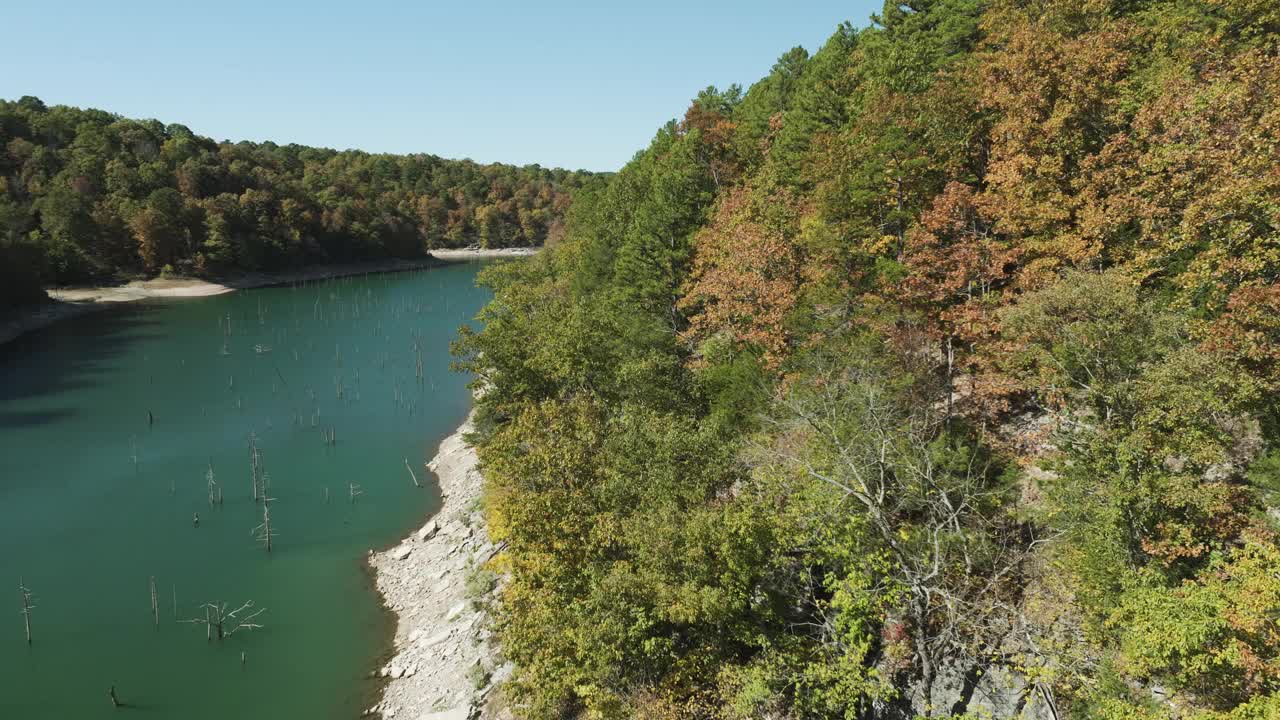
[109,424]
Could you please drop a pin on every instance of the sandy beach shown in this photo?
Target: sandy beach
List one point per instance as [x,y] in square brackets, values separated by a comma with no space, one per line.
[69,302]
[443,666]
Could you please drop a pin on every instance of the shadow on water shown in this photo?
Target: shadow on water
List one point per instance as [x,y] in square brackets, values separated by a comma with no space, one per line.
[35,417]
[65,356]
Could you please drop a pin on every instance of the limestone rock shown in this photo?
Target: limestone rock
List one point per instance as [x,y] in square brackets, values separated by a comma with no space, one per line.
[459,713]
[428,531]
[455,611]
[437,638]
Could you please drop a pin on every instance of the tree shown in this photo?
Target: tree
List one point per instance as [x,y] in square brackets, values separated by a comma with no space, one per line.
[1050,74]
[949,565]
[746,274]
[157,227]
[221,623]
[1213,636]
[109,195]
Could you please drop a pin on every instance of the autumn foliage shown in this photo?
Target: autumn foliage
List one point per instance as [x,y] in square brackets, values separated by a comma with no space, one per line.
[747,274]
[87,195]
[934,375]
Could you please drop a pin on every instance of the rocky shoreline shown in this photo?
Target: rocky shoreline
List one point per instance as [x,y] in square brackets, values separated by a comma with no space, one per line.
[444,665]
[448,254]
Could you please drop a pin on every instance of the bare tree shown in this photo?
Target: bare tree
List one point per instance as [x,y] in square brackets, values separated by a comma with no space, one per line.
[263,532]
[221,623]
[27,606]
[417,348]
[412,474]
[354,491]
[255,467]
[212,484]
[930,499]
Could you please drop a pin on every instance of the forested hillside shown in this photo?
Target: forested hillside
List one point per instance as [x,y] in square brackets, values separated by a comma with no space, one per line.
[934,375]
[88,195]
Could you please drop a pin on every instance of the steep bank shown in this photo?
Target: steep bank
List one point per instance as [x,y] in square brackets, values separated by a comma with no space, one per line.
[72,302]
[443,664]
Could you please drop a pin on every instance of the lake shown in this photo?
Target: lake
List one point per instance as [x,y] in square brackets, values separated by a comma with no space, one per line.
[109,426]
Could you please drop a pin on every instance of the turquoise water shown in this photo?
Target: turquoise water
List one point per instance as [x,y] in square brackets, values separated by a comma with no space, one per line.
[86,527]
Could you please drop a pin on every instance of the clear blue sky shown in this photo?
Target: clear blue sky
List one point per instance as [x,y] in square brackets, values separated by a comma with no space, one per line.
[571,84]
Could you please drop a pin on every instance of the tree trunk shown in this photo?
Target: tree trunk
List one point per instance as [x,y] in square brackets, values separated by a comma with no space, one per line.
[928,671]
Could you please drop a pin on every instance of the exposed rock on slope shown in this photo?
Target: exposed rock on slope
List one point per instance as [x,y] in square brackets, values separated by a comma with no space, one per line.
[443,665]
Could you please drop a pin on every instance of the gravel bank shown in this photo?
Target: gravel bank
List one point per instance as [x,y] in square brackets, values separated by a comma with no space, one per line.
[478,253]
[444,665]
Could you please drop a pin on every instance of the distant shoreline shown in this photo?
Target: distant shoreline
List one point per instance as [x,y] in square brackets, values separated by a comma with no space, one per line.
[70,302]
[451,254]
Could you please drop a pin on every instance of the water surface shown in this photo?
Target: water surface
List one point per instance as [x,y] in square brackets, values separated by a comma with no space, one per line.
[108,426]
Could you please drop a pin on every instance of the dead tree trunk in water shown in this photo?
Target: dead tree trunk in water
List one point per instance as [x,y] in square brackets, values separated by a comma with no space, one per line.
[155,605]
[255,464]
[263,532]
[27,607]
[212,484]
[223,623]
[412,474]
[417,347]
